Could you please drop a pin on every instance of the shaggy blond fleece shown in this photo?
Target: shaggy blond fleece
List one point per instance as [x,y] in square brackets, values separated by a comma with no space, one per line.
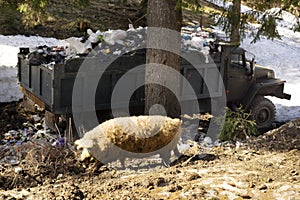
[141,136]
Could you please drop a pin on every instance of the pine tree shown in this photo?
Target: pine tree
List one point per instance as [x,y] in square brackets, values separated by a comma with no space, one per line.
[234,22]
[34,12]
[163,14]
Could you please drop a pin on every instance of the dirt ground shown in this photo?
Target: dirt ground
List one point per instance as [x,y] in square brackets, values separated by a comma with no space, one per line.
[265,167]
[12,116]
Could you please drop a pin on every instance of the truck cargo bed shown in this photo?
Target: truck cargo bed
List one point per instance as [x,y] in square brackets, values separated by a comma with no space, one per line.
[52,84]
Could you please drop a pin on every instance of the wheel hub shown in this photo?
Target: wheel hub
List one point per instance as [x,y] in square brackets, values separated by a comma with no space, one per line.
[263,116]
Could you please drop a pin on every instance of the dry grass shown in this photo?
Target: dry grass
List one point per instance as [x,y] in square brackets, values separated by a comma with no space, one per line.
[42,162]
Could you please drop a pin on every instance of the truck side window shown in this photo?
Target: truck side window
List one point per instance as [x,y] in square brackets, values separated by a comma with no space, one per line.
[236,61]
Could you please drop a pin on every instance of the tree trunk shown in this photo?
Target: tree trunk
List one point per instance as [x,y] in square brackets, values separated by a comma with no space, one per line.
[162,14]
[236,24]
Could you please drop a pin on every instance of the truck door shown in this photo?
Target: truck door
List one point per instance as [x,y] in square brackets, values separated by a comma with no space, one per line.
[239,77]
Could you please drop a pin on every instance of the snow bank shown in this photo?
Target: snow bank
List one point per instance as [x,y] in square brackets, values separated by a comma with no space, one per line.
[24,41]
[9,48]
[9,90]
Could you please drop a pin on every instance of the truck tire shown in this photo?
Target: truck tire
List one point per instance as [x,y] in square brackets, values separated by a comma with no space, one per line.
[263,112]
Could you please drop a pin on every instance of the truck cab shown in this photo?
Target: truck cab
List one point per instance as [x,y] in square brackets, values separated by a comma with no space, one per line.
[247,84]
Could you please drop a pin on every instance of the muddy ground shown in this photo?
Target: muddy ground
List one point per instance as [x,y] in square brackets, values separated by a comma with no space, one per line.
[265,167]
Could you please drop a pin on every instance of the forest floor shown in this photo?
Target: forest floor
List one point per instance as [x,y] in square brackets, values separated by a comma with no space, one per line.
[264,167]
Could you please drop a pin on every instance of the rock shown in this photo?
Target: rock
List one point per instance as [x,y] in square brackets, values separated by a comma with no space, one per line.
[245,196]
[18,169]
[262,187]
[174,188]
[59,176]
[38,126]
[160,182]
[270,180]
[293,178]
[294,173]
[193,176]
[148,184]
[251,185]
[231,184]
[207,157]
[207,141]
[218,143]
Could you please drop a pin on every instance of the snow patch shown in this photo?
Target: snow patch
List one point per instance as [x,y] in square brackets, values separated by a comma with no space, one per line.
[226,5]
[9,48]
[9,90]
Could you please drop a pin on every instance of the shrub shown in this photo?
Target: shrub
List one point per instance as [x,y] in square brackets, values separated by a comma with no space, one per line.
[237,124]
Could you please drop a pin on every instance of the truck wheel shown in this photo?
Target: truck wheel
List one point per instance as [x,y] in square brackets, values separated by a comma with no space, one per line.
[263,112]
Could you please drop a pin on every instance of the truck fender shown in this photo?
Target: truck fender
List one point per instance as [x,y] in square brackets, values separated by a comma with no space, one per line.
[271,87]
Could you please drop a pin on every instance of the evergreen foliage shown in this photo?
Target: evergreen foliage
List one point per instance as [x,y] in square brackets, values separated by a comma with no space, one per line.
[194,5]
[268,24]
[34,12]
[237,124]
[267,29]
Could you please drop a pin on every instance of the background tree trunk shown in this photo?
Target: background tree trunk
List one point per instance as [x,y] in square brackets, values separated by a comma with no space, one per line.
[162,14]
[236,21]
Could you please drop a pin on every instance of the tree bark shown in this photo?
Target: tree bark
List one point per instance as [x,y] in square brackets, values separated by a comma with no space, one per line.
[162,14]
[236,22]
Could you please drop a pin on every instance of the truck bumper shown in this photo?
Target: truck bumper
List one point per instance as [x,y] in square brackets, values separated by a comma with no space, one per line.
[271,87]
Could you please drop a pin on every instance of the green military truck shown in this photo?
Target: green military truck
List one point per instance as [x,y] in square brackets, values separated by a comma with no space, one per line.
[231,72]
